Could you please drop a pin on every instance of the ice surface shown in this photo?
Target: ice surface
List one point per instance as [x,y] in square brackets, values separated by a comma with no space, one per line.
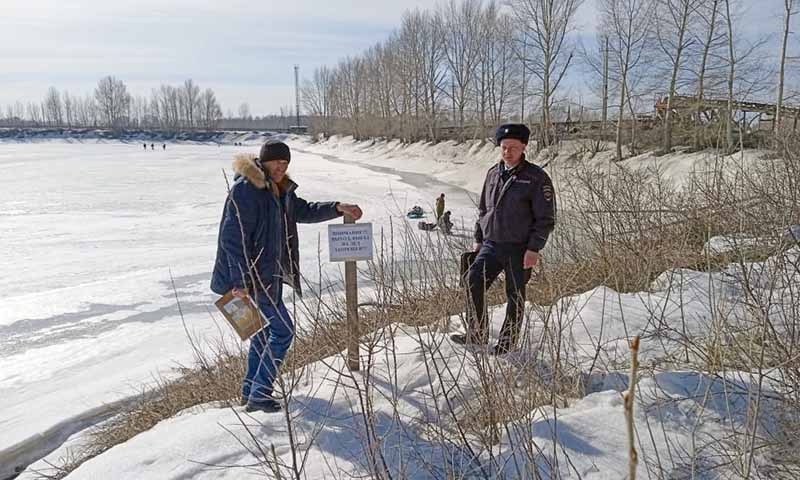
[92,235]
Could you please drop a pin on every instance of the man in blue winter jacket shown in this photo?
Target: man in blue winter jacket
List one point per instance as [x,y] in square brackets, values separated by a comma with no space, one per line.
[258,252]
[516,213]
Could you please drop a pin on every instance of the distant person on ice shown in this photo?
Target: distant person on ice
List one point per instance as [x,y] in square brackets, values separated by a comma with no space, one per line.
[259,230]
[145,146]
[445,224]
[516,213]
[439,206]
[164,146]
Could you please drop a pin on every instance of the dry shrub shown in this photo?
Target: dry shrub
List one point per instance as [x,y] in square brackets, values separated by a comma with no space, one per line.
[619,228]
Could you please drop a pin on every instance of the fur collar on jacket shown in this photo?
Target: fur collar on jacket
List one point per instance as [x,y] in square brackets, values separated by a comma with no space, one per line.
[247,166]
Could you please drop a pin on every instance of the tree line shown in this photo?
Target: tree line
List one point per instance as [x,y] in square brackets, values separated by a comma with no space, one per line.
[468,65]
[183,107]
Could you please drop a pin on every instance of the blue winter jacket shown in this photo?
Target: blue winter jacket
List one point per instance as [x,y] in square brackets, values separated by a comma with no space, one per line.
[258,232]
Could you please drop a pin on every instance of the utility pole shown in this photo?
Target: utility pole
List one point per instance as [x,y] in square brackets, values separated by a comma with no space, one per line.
[524,76]
[605,90]
[297,93]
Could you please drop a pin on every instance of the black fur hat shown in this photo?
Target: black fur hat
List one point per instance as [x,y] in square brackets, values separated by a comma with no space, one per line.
[512,130]
[274,150]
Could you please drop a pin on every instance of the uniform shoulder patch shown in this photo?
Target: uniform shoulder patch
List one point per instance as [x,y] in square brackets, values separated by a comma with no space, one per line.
[547,192]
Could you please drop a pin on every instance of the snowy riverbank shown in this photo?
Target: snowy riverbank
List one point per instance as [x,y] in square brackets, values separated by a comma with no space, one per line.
[118,224]
[422,386]
[465,164]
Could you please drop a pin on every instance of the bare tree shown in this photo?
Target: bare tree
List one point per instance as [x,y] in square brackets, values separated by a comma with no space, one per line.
[19,110]
[747,75]
[191,100]
[69,109]
[86,111]
[486,54]
[788,12]
[317,97]
[428,49]
[627,25]
[709,12]
[409,60]
[497,68]
[81,114]
[675,19]
[731,77]
[351,88]
[210,110]
[52,107]
[160,106]
[462,24]
[244,111]
[113,101]
[169,107]
[596,64]
[33,113]
[384,91]
[138,111]
[546,25]
[505,69]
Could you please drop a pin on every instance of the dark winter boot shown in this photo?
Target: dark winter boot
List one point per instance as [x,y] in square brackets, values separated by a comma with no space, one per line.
[503,347]
[267,405]
[468,339]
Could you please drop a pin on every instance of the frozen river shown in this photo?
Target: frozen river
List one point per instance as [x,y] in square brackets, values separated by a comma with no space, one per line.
[92,237]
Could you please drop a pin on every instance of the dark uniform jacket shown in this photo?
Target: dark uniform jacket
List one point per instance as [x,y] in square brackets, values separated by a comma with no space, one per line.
[516,206]
[258,232]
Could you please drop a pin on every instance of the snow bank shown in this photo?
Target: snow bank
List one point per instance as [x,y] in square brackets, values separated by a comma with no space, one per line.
[460,164]
[465,164]
[723,244]
[419,373]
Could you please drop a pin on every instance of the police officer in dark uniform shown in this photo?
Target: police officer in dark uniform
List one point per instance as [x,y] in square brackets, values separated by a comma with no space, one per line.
[516,214]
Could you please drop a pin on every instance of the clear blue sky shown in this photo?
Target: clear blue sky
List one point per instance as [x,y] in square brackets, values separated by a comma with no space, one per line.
[242,49]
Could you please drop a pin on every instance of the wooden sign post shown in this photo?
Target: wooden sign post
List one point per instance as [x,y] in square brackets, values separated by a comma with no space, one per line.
[351,297]
[350,243]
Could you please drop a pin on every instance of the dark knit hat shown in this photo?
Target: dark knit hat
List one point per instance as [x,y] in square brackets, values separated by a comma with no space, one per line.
[512,130]
[274,150]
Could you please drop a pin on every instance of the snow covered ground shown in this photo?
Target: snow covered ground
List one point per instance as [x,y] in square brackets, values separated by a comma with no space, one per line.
[457,163]
[92,236]
[92,233]
[422,383]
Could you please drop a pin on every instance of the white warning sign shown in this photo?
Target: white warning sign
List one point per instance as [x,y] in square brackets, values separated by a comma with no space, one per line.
[350,242]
